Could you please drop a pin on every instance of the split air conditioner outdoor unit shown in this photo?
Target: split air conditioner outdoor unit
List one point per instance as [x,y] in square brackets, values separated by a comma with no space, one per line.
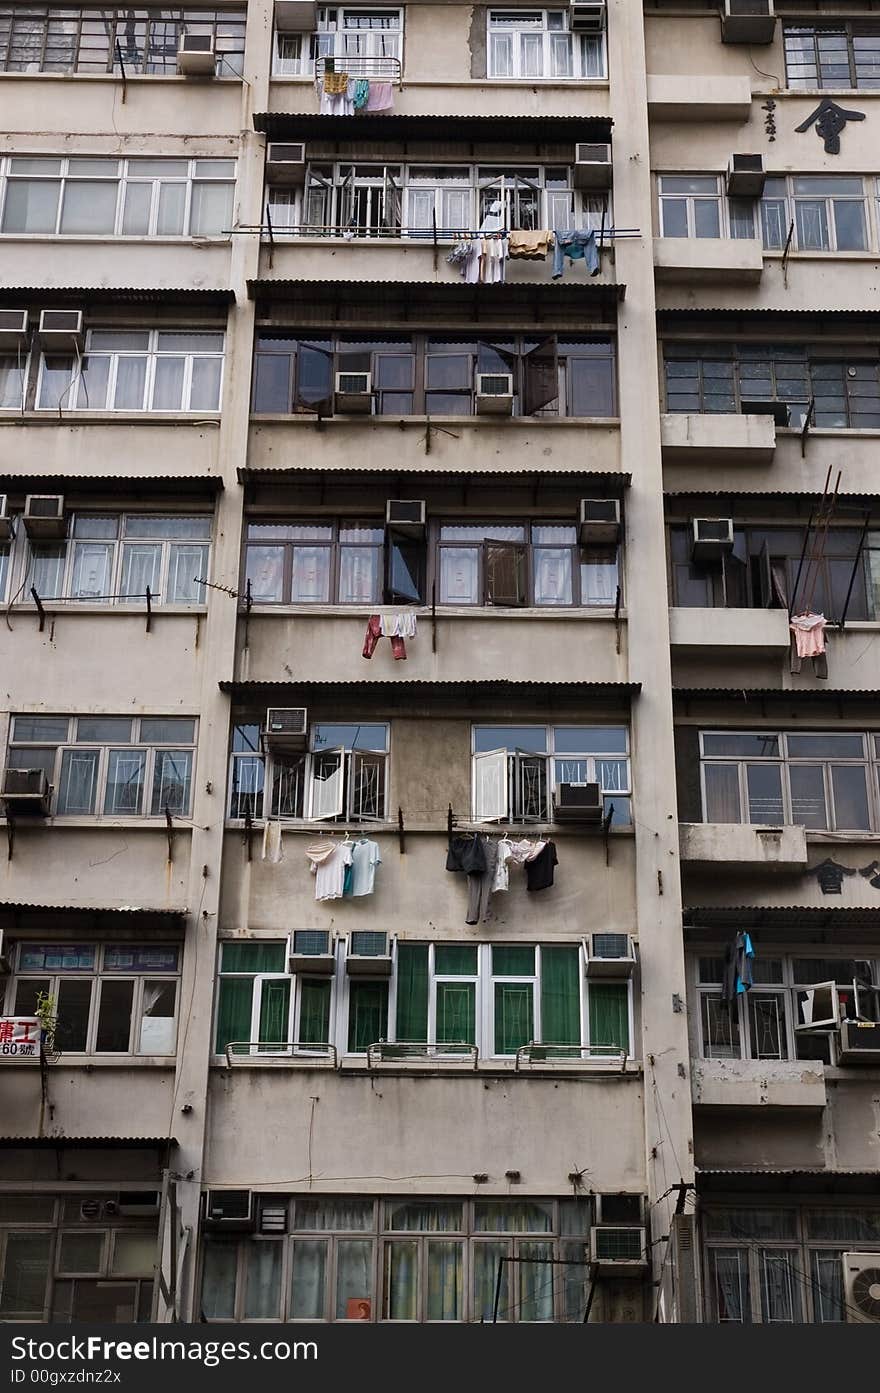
[599,522]
[26,792]
[354,393]
[592,166]
[745,176]
[712,538]
[310,951]
[230,1210]
[747,21]
[296,16]
[861,1287]
[406,515]
[61,331]
[577,803]
[587,16]
[494,394]
[195,56]
[13,330]
[286,163]
[43,516]
[5,519]
[286,727]
[619,1250]
[368,954]
[610,955]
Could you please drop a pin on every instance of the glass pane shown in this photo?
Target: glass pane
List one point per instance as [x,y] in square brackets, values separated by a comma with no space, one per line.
[172,202]
[444,1281]
[560,996]
[114,1017]
[849,788]
[168,384]
[780,1286]
[74,1004]
[401,1281]
[514,1018]
[720,1028]
[253,957]
[741,745]
[172,782]
[131,376]
[608,1004]
[536,1282]
[367,1014]
[354,1279]
[31,205]
[308,1280]
[81,1252]
[513,960]
[412,991]
[187,565]
[167,730]
[89,207]
[764,785]
[157,1028]
[218,1280]
[767,1025]
[25,1275]
[234,1010]
[807,784]
[456,1013]
[488,1258]
[849,223]
[263,1280]
[211,212]
[136,211]
[125,782]
[826,1270]
[204,392]
[274,1011]
[92,570]
[729,1278]
[459,575]
[78,783]
[707,221]
[455,960]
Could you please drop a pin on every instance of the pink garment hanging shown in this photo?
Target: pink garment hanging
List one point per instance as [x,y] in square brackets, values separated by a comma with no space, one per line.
[381,97]
[374,633]
[809,634]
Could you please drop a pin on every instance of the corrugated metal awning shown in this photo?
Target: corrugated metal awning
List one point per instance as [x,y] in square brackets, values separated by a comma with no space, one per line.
[88,1143]
[547,130]
[129,911]
[610,483]
[747,695]
[759,312]
[116,295]
[419,297]
[806,924]
[152,484]
[785,1180]
[483,689]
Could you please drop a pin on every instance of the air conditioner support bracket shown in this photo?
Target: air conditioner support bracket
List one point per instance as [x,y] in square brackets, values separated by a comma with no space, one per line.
[248,834]
[39,604]
[606,828]
[805,429]
[10,835]
[149,603]
[121,71]
[169,832]
[401,832]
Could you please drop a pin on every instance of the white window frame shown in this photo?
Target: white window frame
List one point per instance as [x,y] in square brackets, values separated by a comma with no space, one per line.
[332,39]
[506,807]
[344,805]
[537,22]
[211,22]
[724,206]
[790,198]
[152,354]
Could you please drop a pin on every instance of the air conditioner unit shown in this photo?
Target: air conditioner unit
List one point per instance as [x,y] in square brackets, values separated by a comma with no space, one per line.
[859,1042]
[619,1210]
[368,954]
[619,1250]
[406,515]
[310,950]
[43,516]
[61,331]
[586,16]
[747,22]
[195,56]
[599,523]
[861,1287]
[296,16]
[745,176]
[610,955]
[286,727]
[494,394]
[138,1204]
[353,395]
[819,1007]
[230,1210]
[286,164]
[5,969]
[592,166]
[5,519]
[577,803]
[711,538]
[273,1217]
[13,330]
[26,791]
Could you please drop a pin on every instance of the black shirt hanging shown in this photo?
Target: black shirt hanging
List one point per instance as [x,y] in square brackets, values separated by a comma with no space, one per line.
[539,871]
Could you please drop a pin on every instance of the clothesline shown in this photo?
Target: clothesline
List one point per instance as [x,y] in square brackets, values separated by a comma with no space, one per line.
[421,233]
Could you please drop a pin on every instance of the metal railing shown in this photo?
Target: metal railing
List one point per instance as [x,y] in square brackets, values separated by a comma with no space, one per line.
[385,69]
[401,1051]
[550,1053]
[305,1052]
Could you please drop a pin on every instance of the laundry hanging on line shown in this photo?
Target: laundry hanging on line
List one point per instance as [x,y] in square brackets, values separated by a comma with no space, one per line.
[397,625]
[486,864]
[808,641]
[340,94]
[575,244]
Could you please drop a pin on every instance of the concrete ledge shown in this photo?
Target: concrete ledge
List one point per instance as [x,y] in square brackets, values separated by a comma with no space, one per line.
[707,260]
[756,630]
[679,97]
[692,437]
[758,1083]
[742,844]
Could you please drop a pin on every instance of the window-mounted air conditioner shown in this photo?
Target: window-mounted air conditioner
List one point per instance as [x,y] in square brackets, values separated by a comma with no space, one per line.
[587,16]
[26,791]
[592,166]
[61,331]
[43,516]
[13,331]
[747,22]
[494,394]
[310,951]
[711,538]
[5,968]
[619,1209]
[368,954]
[286,163]
[819,1008]
[861,1287]
[138,1204]
[619,1249]
[406,515]
[286,727]
[5,519]
[859,1043]
[195,56]
[353,394]
[745,176]
[577,803]
[610,955]
[296,16]
[599,521]
[230,1210]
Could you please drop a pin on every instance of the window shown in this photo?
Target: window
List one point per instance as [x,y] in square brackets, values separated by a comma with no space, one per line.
[41,39]
[99,196]
[417,374]
[832,55]
[112,998]
[135,370]
[374,200]
[517,769]
[510,564]
[782,1265]
[764,1020]
[825,781]
[315,563]
[695,205]
[115,766]
[342,777]
[58,1266]
[720,377]
[826,213]
[259,1004]
[538,44]
[371,41]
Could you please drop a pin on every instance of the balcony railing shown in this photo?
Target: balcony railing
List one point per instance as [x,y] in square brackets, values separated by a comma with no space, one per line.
[410,1051]
[549,1053]
[305,1052]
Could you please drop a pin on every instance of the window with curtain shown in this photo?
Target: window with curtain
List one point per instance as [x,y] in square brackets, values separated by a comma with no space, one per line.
[89,40]
[538,44]
[262,1009]
[138,370]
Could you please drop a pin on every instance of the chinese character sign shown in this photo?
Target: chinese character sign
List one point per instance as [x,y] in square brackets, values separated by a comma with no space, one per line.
[19,1038]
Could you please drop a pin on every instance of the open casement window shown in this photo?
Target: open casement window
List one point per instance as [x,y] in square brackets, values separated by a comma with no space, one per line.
[328,784]
[404,569]
[528,773]
[818,1008]
[392,205]
[491,802]
[540,376]
[507,573]
[366,786]
[317,202]
[345,201]
[735,577]
[314,378]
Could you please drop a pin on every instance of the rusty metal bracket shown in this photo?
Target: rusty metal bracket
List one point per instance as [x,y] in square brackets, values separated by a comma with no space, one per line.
[401,832]
[169,832]
[606,828]
[248,833]
[39,604]
[149,599]
[809,419]
[617,621]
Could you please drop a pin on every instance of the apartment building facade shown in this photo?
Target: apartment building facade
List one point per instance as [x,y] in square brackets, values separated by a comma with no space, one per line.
[401,731]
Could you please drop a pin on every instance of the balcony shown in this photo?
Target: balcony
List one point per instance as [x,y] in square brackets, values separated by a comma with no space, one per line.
[758,1083]
[742,844]
[708,260]
[695,438]
[676,97]
[758,632]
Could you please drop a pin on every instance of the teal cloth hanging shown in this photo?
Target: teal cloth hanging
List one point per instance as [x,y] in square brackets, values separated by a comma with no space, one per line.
[361,93]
